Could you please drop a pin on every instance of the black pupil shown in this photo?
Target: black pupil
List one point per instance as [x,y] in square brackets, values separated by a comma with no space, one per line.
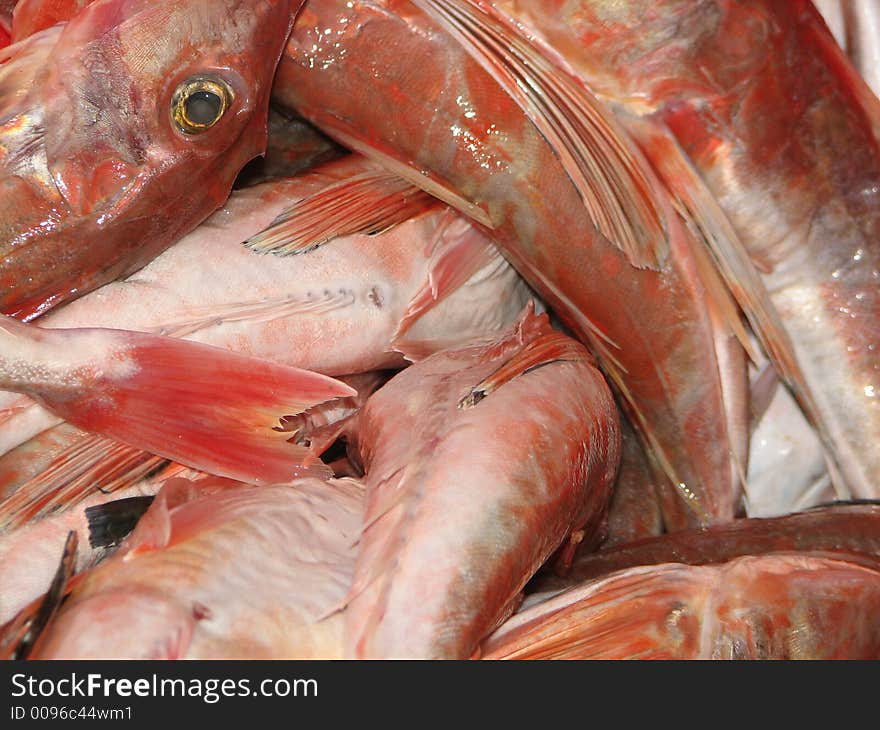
[203,107]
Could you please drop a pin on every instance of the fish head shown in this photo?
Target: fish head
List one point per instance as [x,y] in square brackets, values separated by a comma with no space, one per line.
[121,131]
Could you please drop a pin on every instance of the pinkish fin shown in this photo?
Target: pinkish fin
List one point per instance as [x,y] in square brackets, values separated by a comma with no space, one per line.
[90,463]
[643,613]
[153,531]
[266,310]
[737,268]
[457,252]
[205,407]
[368,203]
[613,180]
[429,182]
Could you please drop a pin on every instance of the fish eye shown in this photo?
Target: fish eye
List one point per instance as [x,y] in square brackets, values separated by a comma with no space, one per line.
[199,103]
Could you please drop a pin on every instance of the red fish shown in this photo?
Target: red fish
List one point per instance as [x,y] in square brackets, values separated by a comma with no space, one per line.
[32,16]
[846,529]
[237,573]
[764,131]
[573,205]
[423,284]
[480,462]
[782,606]
[105,163]
[203,406]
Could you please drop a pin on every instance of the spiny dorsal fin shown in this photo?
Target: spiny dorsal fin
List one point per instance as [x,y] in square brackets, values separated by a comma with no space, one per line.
[368,203]
[613,180]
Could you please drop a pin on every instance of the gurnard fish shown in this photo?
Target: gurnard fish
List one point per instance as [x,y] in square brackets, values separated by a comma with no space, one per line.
[571,202]
[480,462]
[777,606]
[764,131]
[120,131]
[208,573]
[430,281]
[845,529]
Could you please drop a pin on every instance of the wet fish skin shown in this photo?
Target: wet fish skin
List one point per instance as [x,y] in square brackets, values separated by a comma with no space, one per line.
[95,178]
[783,132]
[844,528]
[452,129]
[470,490]
[295,310]
[775,606]
[241,573]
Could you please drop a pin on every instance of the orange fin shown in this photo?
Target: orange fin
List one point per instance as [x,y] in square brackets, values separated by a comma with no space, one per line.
[368,203]
[614,181]
[736,266]
[428,182]
[90,463]
[643,613]
[458,252]
[205,407]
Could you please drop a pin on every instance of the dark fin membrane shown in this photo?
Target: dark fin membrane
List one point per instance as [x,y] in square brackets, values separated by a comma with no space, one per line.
[110,523]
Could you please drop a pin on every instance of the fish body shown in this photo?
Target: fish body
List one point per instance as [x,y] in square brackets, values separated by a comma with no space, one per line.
[619,271]
[120,131]
[32,16]
[373,293]
[780,606]
[768,114]
[238,573]
[480,462]
[848,529]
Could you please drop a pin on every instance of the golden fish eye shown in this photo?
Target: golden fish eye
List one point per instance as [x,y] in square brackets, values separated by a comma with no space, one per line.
[199,103]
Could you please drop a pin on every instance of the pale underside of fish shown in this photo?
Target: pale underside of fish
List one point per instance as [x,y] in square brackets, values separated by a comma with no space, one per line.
[580,215]
[426,283]
[765,133]
[244,572]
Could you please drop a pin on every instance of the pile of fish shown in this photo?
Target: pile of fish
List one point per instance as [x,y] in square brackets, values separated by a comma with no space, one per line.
[439,329]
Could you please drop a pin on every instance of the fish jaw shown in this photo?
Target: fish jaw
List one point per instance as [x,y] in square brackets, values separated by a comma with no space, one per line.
[118,180]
